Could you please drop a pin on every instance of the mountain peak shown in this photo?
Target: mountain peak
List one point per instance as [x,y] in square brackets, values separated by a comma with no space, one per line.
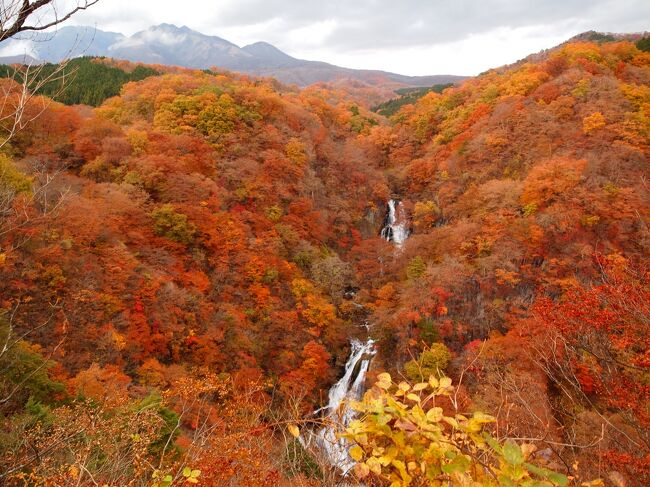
[261,44]
[170,44]
[173,28]
[270,54]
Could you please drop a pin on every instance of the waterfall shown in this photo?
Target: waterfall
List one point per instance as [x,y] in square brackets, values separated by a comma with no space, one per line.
[338,411]
[338,414]
[396,223]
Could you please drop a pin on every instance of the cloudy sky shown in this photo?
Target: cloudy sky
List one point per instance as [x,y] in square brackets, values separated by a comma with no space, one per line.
[413,37]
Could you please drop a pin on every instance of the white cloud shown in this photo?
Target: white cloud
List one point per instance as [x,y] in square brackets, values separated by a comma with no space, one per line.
[151,36]
[313,35]
[14,47]
[407,36]
[499,47]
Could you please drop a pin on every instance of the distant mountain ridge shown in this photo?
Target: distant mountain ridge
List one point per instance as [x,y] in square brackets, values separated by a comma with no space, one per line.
[19,59]
[182,46]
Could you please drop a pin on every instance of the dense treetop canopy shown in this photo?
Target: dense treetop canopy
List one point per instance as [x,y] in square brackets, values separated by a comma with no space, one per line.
[183,266]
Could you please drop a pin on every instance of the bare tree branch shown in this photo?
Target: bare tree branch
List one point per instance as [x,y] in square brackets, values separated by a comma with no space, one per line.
[17,15]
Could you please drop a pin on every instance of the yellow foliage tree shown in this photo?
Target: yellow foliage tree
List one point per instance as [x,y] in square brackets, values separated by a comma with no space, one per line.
[296,152]
[593,122]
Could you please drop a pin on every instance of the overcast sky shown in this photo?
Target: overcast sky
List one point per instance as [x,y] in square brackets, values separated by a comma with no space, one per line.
[415,37]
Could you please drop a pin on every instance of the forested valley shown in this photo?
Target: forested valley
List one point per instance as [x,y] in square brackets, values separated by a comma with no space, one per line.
[183,268]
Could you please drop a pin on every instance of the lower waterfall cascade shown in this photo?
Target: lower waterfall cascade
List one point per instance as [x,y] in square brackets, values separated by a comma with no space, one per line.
[339,413]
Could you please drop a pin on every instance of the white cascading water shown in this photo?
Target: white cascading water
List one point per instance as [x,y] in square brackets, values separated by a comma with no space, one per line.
[339,413]
[396,228]
[351,386]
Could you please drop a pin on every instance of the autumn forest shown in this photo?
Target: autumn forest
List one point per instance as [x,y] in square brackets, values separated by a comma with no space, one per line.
[187,267]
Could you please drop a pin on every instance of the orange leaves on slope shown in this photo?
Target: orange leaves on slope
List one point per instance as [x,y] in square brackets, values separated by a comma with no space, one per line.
[313,308]
[105,384]
[312,372]
[552,179]
[525,80]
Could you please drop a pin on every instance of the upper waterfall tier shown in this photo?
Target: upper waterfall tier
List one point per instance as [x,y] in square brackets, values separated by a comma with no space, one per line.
[396,228]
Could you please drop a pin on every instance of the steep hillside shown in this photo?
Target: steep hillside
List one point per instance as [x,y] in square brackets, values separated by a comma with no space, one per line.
[526,186]
[183,268]
[200,230]
[83,80]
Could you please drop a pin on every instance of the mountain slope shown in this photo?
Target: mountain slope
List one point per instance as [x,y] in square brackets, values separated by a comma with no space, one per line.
[168,44]
[181,46]
[69,42]
[88,81]
[218,243]
[529,200]
[271,56]
[24,59]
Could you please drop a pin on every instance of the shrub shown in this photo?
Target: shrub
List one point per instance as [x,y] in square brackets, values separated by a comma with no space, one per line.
[428,331]
[431,362]
[11,179]
[425,213]
[296,152]
[274,213]
[172,225]
[593,122]
[529,209]
[416,267]
[643,44]
[24,372]
[405,438]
